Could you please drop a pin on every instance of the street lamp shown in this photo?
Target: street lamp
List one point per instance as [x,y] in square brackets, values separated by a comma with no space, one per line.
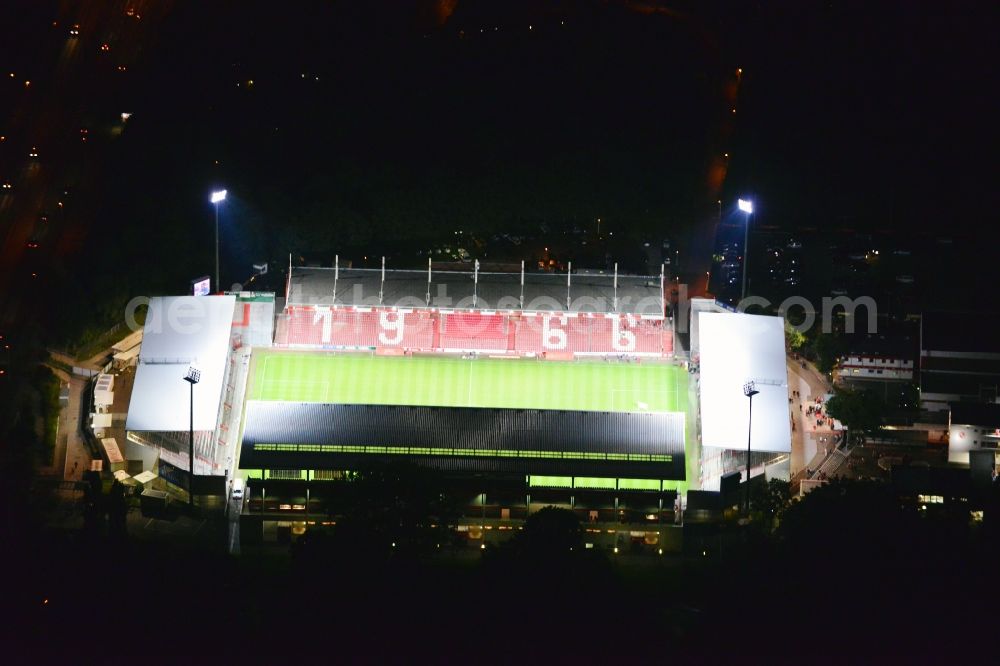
[745,205]
[217,197]
[749,390]
[192,377]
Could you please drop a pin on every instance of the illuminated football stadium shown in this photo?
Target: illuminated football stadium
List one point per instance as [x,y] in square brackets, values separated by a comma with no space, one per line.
[493,414]
[525,390]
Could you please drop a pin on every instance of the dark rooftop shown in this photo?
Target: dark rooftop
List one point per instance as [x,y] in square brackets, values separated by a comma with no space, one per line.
[584,292]
[976,413]
[295,435]
[880,345]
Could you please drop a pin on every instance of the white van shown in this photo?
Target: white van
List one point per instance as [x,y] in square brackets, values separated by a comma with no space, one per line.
[238,487]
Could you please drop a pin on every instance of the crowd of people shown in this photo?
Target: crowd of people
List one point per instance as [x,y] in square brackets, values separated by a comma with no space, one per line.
[813,411]
[816,412]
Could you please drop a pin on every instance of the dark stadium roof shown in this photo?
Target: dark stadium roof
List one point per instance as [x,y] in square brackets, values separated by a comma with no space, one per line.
[291,435]
[494,291]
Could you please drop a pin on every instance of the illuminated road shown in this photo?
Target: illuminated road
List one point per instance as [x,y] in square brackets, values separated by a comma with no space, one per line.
[808,443]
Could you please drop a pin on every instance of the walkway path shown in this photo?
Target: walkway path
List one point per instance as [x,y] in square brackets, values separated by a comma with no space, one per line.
[808,443]
[70,457]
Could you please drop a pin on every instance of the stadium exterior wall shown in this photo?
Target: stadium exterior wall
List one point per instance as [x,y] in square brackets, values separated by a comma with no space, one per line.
[252,459]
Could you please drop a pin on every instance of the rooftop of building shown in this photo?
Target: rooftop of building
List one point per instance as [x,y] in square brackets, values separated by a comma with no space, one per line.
[976,413]
[181,332]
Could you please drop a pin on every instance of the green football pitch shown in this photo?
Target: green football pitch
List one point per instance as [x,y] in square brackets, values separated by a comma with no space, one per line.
[455,382]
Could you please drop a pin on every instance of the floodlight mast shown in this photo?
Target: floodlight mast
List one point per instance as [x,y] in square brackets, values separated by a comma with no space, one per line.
[749,390]
[192,377]
[217,197]
[746,206]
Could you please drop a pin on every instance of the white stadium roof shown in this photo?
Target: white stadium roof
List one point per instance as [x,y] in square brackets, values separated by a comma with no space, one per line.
[736,348]
[181,331]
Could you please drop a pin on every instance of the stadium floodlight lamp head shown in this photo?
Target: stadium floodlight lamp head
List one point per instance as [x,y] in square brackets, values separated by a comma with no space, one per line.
[750,389]
[746,206]
[218,195]
[193,375]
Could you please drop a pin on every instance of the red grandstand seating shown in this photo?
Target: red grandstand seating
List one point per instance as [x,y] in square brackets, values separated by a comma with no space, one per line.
[349,328]
[420,330]
[358,329]
[321,327]
[408,330]
[553,332]
[597,334]
[599,338]
[640,335]
[367,326]
[308,326]
[343,327]
[474,331]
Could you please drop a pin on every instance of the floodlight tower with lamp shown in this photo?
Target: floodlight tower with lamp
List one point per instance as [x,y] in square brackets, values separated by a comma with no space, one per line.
[745,205]
[192,377]
[749,390]
[217,197]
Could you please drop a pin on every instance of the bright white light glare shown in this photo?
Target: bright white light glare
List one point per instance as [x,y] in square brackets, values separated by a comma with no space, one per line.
[736,348]
[218,196]
[126,116]
[160,399]
[746,206]
[193,374]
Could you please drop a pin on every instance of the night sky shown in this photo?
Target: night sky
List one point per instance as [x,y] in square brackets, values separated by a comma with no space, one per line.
[872,115]
[359,128]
